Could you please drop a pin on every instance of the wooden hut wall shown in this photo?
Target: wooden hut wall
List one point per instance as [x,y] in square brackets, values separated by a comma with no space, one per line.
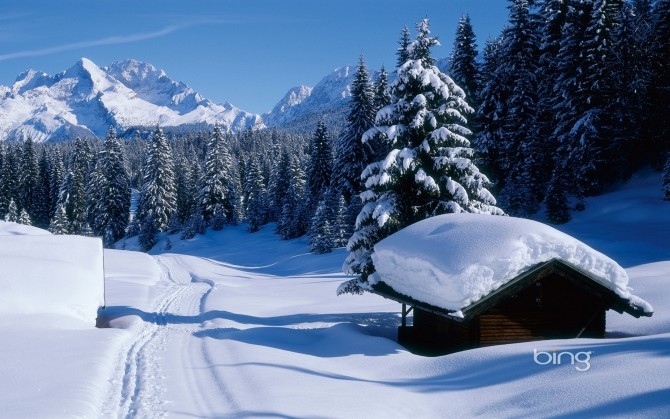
[551,307]
[436,332]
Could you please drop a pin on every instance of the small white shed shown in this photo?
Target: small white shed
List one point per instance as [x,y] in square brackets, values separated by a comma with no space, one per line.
[51,274]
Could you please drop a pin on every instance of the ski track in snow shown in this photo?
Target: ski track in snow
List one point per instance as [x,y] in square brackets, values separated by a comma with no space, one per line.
[137,390]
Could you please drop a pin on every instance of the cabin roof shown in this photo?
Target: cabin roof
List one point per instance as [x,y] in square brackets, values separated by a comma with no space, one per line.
[453,261]
[586,280]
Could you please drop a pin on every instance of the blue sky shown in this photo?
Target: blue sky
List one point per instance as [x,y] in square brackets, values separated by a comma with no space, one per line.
[247,52]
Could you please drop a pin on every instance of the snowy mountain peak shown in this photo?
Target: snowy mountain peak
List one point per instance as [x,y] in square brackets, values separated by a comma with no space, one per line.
[332,92]
[154,85]
[85,100]
[29,80]
[133,72]
[293,97]
[86,80]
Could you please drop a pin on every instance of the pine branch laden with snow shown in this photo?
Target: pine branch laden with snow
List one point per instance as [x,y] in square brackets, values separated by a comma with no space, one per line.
[429,168]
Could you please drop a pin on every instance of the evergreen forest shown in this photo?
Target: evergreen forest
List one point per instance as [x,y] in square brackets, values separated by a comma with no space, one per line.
[570,99]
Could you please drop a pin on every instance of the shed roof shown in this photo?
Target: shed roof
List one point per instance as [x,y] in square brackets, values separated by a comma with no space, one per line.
[586,280]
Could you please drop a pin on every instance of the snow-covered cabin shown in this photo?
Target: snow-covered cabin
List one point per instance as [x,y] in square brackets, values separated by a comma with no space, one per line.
[476,280]
[44,274]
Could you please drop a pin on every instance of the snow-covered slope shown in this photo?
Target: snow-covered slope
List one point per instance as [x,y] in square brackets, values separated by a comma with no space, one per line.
[87,99]
[239,324]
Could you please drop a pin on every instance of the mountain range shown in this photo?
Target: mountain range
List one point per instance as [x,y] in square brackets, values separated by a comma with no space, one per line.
[85,100]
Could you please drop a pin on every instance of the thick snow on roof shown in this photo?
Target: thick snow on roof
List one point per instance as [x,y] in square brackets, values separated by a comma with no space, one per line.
[453,260]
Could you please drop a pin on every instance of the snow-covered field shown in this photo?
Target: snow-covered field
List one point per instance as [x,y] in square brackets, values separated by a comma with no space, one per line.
[234,324]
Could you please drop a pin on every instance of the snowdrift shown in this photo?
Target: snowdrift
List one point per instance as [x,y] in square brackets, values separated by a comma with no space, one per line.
[453,260]
[48,274]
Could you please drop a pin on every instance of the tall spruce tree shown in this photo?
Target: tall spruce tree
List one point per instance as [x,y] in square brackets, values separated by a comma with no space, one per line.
[45,194]
[218,192]
[72,192]
[158,195]
[351,154]
[59,222]
[489,116]
[463,66]
[522,148]
[321,234]
[381,94]
[293,221]
[12,215]
[429,170]
[632,72]
[29,178]
[109,192]
[187,176]
[256,197]
[56,179]
[556,201]
[279,184]
[24,218]
[320,169]
[402,52]
[585,89]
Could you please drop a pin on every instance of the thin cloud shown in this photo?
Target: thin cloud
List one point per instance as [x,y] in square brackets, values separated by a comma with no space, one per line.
[113,40]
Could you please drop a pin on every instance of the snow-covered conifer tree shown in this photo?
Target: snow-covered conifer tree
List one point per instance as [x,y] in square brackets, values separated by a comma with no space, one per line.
[320,169]
[556,199]
[59,222]
[463,66]
[12,215]
[57,176]
[29,178]
[109,192]
[72,191]
[278,185]
[517,137]
[293,221]
[158,196]
[24,218]
[148,231]
[256,197]
[493,99]
[218,187]
[380,88]
[429,170]
[187,175]
[402,52]
[341,228]
[45,201]
[321,234]
[351,155]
